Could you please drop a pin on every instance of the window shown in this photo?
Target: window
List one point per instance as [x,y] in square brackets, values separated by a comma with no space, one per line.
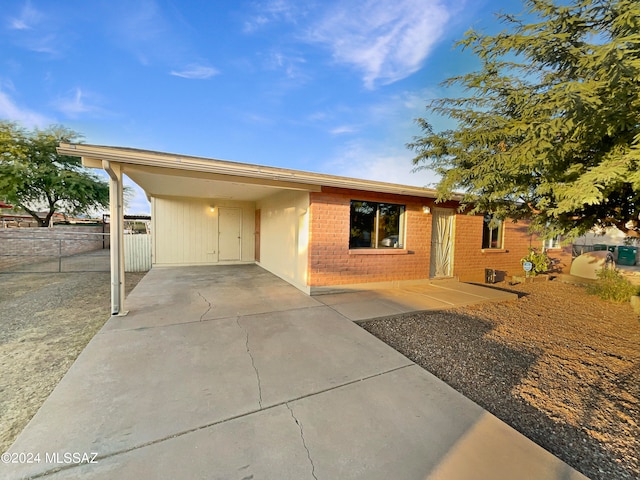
[553,242]
[491,232]
[376,225]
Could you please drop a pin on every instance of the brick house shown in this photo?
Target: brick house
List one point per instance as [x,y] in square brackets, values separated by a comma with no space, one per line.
[316,231]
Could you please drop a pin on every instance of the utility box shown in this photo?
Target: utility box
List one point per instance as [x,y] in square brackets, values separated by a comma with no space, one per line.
[492,275]
[627,255]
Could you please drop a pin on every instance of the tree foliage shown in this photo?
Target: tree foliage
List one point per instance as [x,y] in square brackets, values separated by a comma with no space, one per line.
[34,177]
[550,129]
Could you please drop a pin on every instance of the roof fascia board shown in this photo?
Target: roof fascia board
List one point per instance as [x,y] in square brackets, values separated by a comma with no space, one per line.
[131,170]
[223,167]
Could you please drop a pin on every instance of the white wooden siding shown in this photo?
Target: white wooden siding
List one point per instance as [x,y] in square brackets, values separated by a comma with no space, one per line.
[185,230]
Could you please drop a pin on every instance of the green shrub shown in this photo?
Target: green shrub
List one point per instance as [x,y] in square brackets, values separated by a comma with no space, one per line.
[540,261]
[612,285]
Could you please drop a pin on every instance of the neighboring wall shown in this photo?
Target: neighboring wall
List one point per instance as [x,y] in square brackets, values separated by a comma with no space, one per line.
[20,246]
[332,263]
[284,239]
[185,230]
[470,260]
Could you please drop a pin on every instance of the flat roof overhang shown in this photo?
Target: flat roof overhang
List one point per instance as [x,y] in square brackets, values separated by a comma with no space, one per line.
[168,174]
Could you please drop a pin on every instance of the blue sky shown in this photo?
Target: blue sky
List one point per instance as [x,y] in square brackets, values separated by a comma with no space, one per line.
[329,86]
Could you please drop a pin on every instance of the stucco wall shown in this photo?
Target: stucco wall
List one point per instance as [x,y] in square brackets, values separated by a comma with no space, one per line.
[185,230]
[284,236]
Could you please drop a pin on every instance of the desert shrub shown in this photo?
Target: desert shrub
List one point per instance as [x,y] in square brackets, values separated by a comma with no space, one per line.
[540,261]
[612,285]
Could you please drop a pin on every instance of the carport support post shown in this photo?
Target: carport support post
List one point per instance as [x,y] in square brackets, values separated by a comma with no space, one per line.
[116,236]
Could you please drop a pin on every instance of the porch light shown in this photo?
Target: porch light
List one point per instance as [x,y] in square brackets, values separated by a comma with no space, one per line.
[426,209]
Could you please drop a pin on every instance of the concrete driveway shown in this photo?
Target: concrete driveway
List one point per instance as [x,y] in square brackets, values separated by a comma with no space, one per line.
[231,373]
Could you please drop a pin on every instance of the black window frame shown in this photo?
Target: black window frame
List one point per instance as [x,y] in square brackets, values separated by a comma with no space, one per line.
[367,225]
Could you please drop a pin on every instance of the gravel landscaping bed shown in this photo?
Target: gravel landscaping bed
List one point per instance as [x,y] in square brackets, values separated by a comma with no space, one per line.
[558,365]
[46,320]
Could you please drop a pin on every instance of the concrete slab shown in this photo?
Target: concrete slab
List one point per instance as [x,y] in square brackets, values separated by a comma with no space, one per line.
[132,387]
[481,292]
[407,424]
[284,386]
[382,302]
[303,352]
[404,424]
[265,445]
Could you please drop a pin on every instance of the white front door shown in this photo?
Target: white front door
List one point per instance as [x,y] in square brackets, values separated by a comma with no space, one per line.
[229,234]
[441,243]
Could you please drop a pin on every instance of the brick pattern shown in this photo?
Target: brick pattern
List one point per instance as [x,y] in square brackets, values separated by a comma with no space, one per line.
[331,263]
[470,260]
[21,246]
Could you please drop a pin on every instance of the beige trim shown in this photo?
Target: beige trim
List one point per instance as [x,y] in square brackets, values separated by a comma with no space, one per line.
[91,154]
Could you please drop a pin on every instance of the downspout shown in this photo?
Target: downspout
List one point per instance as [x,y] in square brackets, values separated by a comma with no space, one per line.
[116,235]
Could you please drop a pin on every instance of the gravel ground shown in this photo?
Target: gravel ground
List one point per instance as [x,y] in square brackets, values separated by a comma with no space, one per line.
[558,365]
[46,320]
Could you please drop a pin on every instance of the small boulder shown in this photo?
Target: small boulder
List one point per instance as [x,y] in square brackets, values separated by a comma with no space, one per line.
[587,264]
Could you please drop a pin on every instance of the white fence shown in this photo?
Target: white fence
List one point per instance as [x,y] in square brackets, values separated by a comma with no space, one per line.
[137,253]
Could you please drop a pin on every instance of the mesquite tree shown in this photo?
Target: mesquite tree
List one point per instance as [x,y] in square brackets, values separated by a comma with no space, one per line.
[34,177]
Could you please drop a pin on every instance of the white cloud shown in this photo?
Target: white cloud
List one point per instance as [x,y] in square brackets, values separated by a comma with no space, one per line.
[35,31]
[28,18]
[77,103]
[28,118]
[195,72]
[376,162]
[273,11]
[342,129]
[289,64]
[387,41]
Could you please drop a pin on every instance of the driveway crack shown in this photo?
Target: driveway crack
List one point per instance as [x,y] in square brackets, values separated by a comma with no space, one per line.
[304,443]
[208,308]
[253,362]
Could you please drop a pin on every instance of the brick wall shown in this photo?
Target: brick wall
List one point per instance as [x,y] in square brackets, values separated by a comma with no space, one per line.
[21,246]
[470,260]
[332,263]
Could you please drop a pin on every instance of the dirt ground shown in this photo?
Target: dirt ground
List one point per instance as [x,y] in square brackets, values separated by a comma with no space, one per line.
[558,365]
[46,320]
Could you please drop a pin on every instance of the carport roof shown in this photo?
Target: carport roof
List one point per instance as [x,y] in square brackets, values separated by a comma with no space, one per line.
[162,173]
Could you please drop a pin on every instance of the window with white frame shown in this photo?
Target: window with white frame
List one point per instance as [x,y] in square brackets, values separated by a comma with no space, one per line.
[492,232]
[376,225]
[553,242]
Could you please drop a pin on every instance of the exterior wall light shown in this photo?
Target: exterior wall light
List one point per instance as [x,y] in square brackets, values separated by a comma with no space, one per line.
[426,209]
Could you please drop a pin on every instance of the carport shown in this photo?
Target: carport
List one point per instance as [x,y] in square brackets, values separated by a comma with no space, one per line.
[216,212]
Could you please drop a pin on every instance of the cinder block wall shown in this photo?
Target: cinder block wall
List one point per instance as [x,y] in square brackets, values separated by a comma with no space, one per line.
[331,262]
[470,260]
[19,246]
